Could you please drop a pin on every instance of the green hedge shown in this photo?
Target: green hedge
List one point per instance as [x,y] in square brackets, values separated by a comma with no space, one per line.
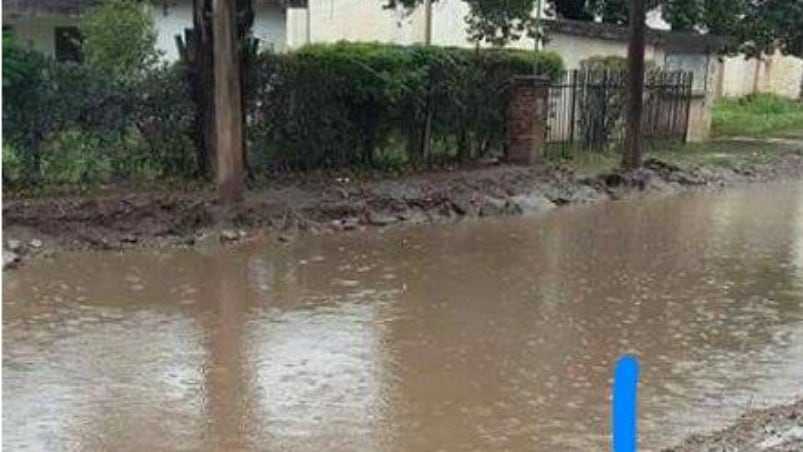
[323,106]
[368,104]
[65,123]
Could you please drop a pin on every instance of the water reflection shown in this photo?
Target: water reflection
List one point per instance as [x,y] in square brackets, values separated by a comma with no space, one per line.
[481,336]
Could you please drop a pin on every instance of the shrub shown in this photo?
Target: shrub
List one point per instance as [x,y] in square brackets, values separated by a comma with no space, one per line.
[348,103]
[17,62]
[141,127]
[323,106]
[163,116]
[119,38]
[13,167]
[74,158]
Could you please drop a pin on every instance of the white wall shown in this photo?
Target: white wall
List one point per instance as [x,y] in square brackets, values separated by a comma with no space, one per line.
[357,20]
[296,28]
[738,76]
[574,49]
[169,23]
[269,27]
[38,32]
[367,21]
[783,75]
[776,74]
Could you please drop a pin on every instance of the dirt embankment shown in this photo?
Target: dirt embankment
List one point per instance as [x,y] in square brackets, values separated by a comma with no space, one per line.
[778,429]
[328,204]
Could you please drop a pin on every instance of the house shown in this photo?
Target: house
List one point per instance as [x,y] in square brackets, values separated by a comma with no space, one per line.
[51,26]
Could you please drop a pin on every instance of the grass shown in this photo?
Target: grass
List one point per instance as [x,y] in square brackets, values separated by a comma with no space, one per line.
[757,115]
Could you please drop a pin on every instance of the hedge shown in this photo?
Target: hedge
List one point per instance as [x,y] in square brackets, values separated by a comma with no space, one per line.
[364,104]
[323,106]
[69,123]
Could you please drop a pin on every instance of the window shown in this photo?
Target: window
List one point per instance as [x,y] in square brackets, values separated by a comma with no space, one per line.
[68,44]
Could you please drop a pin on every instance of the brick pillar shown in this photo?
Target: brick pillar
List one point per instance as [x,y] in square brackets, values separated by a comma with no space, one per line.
[526,119]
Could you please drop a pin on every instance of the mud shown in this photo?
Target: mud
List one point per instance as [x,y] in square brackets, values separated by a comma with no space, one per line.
[777,429]
[492,335]
[323,204]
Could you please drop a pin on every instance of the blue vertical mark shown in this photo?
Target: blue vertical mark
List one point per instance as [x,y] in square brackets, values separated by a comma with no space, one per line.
[623,412]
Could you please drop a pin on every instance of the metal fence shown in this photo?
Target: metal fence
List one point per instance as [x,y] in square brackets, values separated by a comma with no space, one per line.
[588,109]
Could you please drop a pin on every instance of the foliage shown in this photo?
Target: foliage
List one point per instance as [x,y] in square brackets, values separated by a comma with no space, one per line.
[756,25]
[119,38]
[13,166]
[496,22]
[132,128]
[757,115]
[323,106]
[773,24]
[74,158]
[346,104]
[500,21]
[16,66]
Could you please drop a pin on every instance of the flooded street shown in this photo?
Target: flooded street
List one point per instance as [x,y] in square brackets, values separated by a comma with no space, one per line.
[492,335]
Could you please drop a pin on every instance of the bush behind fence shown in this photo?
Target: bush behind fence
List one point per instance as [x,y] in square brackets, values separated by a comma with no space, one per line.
[324,106]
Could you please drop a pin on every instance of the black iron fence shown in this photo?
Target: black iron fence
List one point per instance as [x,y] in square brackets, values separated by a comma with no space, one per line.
[588,109]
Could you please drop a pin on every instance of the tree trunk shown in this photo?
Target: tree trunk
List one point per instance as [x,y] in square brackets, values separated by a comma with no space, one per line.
[634,135]
[228,102]
[198,53]
[248,49]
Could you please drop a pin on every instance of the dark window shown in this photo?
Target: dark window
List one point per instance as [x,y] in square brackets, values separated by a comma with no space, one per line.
[68,44]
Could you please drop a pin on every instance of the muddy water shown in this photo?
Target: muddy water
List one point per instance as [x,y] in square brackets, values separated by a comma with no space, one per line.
[496,335]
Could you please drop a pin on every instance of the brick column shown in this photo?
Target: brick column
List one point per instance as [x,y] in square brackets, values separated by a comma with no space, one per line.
[526,119]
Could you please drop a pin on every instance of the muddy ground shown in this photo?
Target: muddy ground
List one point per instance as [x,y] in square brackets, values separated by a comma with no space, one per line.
[323,204]
[778,429]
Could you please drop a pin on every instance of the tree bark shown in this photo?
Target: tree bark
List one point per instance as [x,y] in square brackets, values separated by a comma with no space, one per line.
[228,103]
[634,135]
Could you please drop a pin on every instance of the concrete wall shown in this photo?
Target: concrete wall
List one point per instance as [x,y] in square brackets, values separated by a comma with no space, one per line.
[702,103]
[774,74]
[353,20]
[738,77]
[574,49]
[783,76]
[169,23]
[367,21]
[38,33]
[269,27]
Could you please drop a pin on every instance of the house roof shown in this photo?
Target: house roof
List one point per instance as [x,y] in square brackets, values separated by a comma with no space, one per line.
[76,7]
[674,40]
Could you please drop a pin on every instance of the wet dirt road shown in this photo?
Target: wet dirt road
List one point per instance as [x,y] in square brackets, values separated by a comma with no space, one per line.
[491,335]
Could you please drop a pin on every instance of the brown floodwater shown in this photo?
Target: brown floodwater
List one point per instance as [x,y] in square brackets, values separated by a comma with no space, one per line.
[497,334]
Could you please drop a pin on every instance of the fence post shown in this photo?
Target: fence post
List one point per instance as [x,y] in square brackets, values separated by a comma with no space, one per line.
[573,108]
[526,119]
